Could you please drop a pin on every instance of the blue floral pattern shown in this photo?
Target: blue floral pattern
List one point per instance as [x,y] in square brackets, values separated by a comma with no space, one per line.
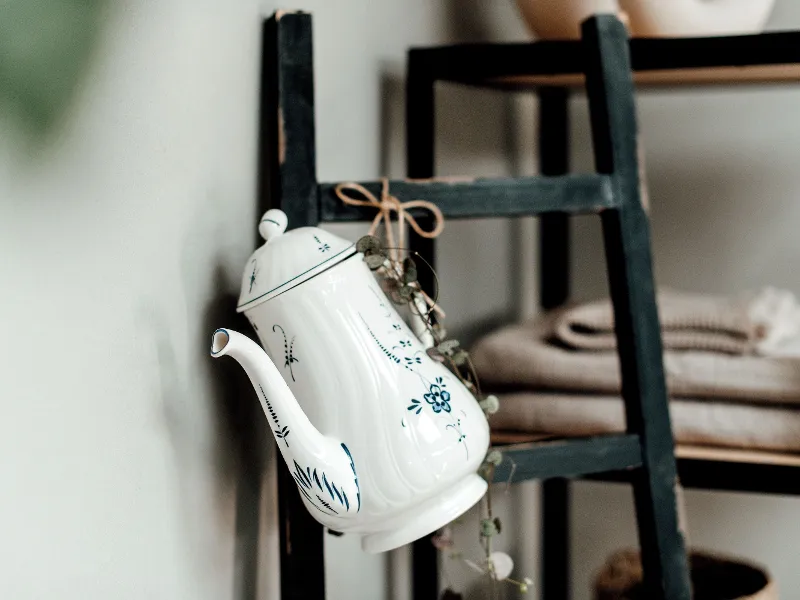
[288,350]
[438,397]
[281,433]
[401,351]
[253,275]
[412,360]
[456,427]
[311,483]
[323,246]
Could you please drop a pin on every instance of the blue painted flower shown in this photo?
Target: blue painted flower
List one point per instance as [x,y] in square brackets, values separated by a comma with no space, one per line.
[437,397]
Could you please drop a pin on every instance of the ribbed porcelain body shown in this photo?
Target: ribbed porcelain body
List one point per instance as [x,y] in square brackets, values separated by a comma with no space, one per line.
[362,377]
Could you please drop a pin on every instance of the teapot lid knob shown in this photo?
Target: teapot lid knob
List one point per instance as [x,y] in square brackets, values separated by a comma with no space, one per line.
[272,224]
[287,258]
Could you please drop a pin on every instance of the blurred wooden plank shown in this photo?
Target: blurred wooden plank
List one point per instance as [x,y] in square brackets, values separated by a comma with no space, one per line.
[682,451]
[735,455]
[709,76]
[503,438]
[741,59]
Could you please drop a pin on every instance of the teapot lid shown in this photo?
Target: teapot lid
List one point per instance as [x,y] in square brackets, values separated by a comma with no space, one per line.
[288,258]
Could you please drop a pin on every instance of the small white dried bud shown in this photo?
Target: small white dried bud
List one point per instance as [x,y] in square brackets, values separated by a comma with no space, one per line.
[494,457]
[501,565]
[490,404]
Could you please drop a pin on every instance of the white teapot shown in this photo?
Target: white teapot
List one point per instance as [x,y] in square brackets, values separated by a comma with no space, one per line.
[381,439]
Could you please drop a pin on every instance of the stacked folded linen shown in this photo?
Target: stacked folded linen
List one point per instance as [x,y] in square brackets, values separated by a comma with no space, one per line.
[730,387]
[688,322]
[696,422]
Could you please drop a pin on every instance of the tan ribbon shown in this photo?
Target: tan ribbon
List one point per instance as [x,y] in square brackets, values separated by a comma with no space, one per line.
[388,204]
[385,206]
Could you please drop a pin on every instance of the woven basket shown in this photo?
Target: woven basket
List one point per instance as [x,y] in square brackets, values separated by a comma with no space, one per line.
[713,578]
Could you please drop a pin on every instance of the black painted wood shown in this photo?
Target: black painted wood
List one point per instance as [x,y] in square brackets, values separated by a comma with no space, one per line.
[420,164]
[569,458]
[475,64]
[739,476]
[627,242]
[554,272]
[288,111]
[483,197]
[420,117]
[729,476]
[554,289]
[661,579]
[420,154]
[424,569]
[289,127]
[288,173]
[478,64]
[556,571]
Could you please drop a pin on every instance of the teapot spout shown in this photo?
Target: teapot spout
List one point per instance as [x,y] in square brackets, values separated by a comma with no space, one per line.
[323,467]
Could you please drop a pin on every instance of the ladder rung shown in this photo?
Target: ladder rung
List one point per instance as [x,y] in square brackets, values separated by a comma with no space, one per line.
[475,198]
[569,458]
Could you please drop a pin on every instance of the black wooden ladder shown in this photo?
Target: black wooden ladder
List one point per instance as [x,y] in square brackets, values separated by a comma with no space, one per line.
[288,181]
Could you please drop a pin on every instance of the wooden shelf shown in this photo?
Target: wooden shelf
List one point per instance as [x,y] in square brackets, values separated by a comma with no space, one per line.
[554,69]
[664,78]
[766,58]
[735,455]
[699,467]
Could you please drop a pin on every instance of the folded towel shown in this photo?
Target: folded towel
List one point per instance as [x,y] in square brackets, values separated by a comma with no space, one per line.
[523,357]
[720,424]
[688,322]
[765,323]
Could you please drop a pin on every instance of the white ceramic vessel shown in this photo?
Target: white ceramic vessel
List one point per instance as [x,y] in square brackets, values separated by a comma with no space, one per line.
[561,19]
[686,18]
[381,439]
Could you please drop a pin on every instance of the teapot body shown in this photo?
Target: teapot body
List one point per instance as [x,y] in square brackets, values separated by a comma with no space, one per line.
[415,432]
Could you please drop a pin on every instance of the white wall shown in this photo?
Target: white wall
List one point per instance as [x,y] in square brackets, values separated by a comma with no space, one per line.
[121,240]
[130,462]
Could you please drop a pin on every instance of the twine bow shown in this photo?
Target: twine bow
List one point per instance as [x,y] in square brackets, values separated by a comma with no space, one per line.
[388,204]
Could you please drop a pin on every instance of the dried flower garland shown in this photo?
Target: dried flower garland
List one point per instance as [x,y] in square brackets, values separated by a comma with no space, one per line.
[398,273]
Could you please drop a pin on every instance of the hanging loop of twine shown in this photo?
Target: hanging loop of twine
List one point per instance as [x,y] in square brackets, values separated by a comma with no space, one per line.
[385,207]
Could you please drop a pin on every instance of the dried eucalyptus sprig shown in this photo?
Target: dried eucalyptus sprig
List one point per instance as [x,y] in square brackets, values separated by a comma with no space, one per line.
[399,279]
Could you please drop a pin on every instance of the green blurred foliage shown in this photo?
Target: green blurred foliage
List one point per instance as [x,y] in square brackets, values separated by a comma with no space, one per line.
[45,48]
